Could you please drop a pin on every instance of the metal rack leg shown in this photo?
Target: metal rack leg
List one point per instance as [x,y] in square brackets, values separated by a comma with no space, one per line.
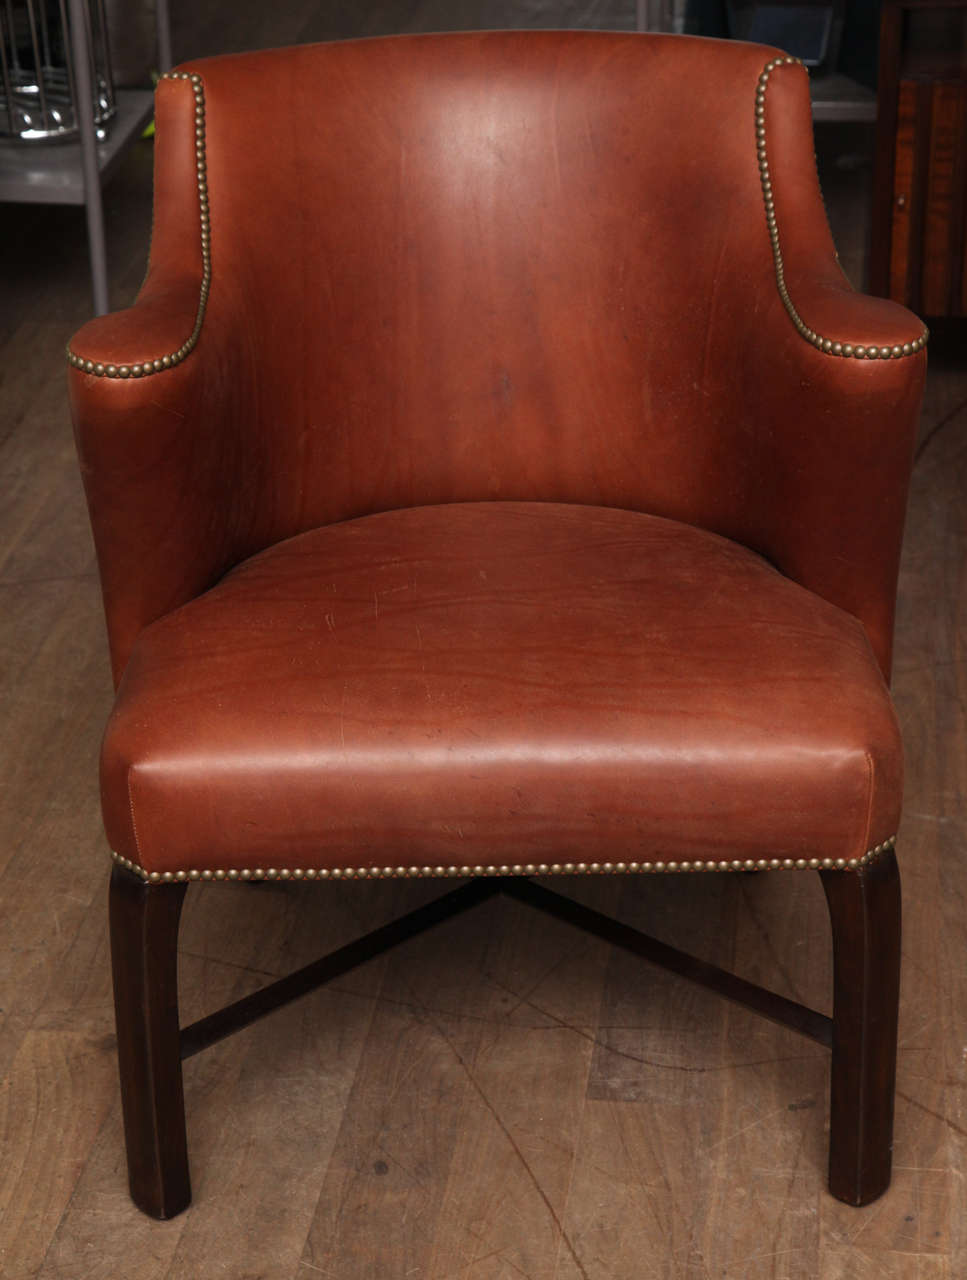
[164,36]
[84,107]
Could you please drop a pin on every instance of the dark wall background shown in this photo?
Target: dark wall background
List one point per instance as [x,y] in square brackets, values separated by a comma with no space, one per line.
[861,32]
[861,24]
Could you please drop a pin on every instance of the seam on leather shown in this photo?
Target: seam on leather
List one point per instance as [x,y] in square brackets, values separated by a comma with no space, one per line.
[829,346]
[871,782]
[134,821]
[517,869]
[158,364]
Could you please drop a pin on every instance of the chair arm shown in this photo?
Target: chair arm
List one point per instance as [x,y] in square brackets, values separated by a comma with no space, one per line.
[169,458]
[834,447]
[164,402]
[836,378]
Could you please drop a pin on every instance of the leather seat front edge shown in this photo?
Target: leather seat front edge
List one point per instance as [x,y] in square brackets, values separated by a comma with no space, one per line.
[500,684]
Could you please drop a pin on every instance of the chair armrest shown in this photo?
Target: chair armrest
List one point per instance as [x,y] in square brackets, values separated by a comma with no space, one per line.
[169,459]
[833,461]
[837,380]
[164,404]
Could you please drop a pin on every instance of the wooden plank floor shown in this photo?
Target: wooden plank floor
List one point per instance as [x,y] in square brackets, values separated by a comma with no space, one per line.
[507,1098]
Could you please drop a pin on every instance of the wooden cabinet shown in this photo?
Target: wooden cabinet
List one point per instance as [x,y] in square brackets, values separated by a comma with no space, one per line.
[917,255]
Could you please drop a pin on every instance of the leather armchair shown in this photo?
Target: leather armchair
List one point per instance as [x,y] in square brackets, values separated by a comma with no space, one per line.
[496,477]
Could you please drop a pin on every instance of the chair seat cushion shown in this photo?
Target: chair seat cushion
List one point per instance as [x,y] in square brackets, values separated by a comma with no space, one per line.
[500,685]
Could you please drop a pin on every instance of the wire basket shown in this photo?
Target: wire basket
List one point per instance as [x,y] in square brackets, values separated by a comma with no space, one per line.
[37,79]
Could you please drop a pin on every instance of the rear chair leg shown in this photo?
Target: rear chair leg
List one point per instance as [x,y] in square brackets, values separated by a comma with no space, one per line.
[144,936]
[864,910]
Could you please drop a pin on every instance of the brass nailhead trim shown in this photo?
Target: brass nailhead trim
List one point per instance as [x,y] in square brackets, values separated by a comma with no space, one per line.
[517,869]
[829,346]
[160,363]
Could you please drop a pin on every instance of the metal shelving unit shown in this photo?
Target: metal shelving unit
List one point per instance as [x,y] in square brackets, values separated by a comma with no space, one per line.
[839,100]
[74,172]
[52,173]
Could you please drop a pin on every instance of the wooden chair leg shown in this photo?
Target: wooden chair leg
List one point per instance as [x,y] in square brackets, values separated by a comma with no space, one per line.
[864,909]
[144,936]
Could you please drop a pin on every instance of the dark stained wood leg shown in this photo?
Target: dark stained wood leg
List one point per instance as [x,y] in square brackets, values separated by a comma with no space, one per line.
[144,936]
[864,909]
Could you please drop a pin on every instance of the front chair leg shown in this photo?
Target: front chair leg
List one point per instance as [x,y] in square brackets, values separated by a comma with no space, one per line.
[864,910]
[144,936]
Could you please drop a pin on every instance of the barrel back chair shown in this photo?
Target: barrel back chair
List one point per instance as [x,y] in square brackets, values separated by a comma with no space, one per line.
[497,478]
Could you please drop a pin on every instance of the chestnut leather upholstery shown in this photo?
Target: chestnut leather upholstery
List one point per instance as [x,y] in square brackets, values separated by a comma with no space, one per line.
[494,305]
[497,475]
[500,683]
[523,266]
